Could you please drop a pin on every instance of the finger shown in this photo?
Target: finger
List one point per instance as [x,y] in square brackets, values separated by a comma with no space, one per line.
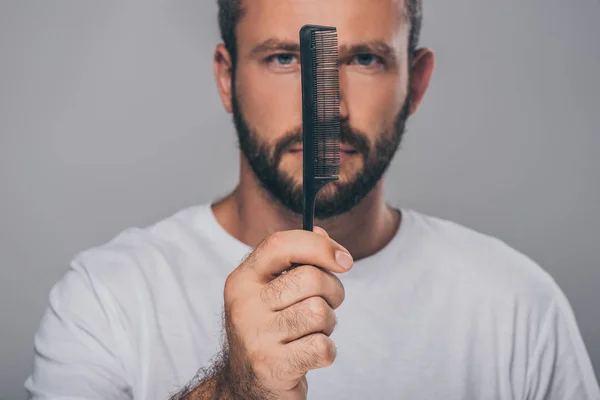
[280,250]
[307,353]
[312,315]
[320,231]
[302,283]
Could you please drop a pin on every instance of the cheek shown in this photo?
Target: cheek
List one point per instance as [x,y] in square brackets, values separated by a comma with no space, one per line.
[373,101]
[272,102]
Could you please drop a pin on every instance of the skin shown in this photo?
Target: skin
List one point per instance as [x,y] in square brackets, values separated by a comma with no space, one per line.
[281,326]
[270,94]
[278,326]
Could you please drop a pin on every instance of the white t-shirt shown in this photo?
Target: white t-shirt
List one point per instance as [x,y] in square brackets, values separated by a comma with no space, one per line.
[442,312]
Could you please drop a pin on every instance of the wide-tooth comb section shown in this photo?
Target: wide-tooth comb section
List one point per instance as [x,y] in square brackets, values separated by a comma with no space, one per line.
[326,116]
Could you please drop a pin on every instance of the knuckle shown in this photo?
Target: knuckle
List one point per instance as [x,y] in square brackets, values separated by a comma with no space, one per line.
[274,240]
[325,349]
[313,276]
[319,309]
[338,291]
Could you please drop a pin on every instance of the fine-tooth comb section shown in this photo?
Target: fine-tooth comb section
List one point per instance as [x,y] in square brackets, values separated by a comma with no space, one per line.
[326,116]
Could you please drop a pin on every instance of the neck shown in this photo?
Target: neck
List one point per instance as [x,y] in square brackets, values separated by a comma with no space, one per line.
[250,214]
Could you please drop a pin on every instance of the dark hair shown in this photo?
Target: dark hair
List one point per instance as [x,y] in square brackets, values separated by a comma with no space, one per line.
[231,11]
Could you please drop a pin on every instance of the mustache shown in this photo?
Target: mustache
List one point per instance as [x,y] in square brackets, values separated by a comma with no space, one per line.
[348,135]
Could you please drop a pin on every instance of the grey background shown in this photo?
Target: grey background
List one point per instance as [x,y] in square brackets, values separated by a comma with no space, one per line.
[109,118]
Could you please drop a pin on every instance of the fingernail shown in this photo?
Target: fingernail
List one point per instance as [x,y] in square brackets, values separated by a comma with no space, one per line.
[344,259]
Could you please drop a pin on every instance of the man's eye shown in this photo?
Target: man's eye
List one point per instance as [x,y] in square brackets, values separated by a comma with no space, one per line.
[367,60]
[283,59]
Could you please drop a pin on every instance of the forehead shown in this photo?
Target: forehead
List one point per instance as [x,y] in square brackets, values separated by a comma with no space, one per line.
[355,20]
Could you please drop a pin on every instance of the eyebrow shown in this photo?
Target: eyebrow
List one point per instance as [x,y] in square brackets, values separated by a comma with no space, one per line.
[378,47]
[273,44]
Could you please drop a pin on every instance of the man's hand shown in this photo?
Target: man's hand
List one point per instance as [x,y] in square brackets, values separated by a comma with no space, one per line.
[278,323]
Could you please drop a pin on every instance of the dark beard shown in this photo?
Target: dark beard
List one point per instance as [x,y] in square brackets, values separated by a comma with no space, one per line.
[264,161]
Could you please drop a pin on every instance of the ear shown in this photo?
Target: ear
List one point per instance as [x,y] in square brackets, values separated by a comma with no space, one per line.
[420,76]
[223,69]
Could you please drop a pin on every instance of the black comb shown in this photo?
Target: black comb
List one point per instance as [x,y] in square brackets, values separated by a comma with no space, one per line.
[320,113]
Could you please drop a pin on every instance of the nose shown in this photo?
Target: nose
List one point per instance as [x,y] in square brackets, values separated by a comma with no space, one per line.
[343,103]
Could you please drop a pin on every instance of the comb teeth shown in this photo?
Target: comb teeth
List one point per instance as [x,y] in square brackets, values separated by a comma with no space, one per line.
[326,114]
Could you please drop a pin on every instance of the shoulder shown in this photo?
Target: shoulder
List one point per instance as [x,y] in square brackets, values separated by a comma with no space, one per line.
[508,297]
[480,263]
[142,255]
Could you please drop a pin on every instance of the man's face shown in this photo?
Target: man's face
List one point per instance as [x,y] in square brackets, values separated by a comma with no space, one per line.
[267,97]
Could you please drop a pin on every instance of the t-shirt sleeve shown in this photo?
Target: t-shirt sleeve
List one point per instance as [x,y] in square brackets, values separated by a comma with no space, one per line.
[78,351]
[560,367]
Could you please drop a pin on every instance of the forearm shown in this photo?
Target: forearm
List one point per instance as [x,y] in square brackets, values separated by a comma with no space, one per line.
[207,389]
[223,381]
[212,383]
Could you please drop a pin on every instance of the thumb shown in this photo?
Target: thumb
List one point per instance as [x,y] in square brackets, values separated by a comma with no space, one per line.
[320,231]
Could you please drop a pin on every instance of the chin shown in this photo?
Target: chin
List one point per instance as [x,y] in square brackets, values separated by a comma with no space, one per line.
[328,192]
